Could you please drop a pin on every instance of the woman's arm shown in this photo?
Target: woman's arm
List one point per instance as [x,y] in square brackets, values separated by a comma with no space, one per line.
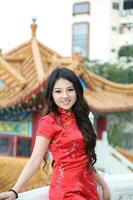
[40,148]
[100,181]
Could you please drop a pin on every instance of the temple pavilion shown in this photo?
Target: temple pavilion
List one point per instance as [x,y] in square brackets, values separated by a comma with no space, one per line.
[24,71]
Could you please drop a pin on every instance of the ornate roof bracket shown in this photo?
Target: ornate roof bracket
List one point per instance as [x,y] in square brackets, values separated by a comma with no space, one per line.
[54,61]
[18,78]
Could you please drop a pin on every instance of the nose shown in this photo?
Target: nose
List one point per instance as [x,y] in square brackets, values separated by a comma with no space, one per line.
[64,95]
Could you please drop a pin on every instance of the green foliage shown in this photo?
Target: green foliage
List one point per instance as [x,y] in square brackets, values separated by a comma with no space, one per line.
[115,135]
[117,129]
[112,72]
[126,50]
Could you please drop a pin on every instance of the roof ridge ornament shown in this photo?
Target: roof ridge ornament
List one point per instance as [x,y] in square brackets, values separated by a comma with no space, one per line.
[33,27]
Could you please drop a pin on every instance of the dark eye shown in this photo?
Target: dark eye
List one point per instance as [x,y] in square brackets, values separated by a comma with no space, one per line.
[71,89]
[57,91]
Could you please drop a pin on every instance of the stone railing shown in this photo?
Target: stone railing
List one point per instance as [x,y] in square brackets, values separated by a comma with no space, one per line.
[121,188]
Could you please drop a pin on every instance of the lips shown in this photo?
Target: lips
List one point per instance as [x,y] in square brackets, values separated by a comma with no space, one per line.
[65,102]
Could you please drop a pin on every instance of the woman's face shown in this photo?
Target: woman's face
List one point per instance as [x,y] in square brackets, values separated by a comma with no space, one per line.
[64,94]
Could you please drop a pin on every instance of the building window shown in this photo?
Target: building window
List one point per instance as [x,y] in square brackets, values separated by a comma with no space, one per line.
[113,50]
[81,8]
[80,41]
[115,6]
[15,146]
[24,147]
[128,4]
[114,28]
[6,144]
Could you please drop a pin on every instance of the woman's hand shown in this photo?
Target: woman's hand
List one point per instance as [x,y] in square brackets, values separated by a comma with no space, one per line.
[106,193]
[101,182]
[7,196]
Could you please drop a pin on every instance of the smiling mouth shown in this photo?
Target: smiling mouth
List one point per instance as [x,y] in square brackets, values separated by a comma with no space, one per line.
[65,102]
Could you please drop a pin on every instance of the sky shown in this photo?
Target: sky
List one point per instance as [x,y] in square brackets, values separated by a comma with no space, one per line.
[53,20]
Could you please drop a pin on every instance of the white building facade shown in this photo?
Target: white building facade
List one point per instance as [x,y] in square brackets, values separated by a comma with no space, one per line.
[101,27]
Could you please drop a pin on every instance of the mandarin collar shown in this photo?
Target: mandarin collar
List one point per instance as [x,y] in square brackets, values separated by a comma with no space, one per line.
[66,116]
[63,112]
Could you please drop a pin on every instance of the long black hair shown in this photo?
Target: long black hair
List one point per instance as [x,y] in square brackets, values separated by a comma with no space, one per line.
[80,109]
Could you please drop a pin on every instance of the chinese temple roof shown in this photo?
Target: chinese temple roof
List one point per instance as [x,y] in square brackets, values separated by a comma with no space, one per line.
[25,70]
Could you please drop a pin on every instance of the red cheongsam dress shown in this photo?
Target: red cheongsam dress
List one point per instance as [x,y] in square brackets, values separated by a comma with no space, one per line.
[71,180]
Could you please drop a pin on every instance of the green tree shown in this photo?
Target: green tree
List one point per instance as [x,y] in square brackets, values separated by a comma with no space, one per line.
[112,72]
[126,50]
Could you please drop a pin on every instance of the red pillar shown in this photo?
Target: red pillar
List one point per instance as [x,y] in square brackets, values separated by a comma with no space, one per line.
[101,126]
[35,120]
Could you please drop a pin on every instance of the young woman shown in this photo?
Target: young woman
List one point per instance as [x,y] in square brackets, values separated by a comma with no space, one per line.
[67,131]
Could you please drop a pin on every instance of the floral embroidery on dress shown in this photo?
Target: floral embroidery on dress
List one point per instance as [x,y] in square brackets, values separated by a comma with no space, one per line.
[61,172]
[72,151]
[60,176]
[78,187]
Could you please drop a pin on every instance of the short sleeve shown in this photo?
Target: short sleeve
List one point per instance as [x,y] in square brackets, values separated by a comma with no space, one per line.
[46,127]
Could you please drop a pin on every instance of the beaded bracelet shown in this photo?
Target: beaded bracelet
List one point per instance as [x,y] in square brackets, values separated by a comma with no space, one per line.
[16,194]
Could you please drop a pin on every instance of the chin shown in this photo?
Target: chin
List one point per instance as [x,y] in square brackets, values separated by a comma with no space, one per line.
[66,107]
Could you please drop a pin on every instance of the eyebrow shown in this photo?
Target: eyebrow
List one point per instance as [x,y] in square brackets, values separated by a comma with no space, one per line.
[66,88]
